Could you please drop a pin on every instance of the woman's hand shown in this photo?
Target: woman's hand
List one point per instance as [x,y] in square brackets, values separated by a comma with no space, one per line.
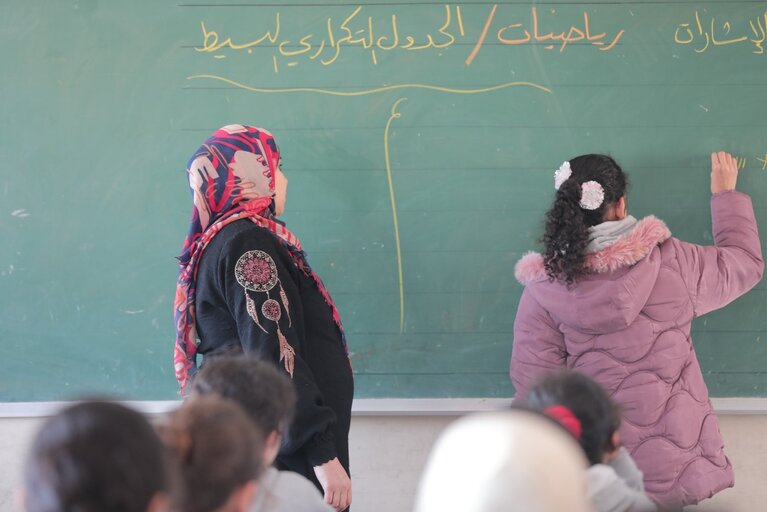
[724,172]
[337,485]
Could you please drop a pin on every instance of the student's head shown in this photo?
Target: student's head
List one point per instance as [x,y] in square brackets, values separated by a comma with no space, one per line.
[512,460]
[582,406]
[216,450]
[264,393]
[591,190]
[96,456]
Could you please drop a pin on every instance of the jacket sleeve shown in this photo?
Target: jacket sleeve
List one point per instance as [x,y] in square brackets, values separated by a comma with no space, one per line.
[538,346]
[609,492]
[716,275]
[260,336]
[626,468]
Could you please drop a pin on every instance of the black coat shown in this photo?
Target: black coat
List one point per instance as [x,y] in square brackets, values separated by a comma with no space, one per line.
[322,374]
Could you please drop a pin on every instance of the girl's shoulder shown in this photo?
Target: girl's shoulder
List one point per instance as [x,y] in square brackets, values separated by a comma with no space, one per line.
[530,268]
[628,250]
[631,248]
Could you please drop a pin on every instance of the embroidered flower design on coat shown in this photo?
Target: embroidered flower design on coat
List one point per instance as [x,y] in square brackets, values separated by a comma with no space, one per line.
[256,271]
[271,310]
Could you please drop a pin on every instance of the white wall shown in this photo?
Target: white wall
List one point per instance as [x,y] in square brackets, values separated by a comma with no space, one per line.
[389,452]
[15,435]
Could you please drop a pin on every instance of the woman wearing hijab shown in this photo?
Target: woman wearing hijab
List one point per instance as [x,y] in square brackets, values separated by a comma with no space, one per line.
[245,286]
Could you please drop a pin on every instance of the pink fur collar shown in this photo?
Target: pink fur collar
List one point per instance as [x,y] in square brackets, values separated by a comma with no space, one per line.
[626,251]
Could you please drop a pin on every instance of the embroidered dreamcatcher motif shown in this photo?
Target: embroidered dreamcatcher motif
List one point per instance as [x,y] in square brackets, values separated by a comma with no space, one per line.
[256,271]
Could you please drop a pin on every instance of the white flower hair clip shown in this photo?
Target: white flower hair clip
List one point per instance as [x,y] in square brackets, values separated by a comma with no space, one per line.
[592,195]
[562,174]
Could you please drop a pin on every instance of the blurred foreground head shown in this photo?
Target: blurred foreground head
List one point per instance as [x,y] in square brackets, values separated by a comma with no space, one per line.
[506,461]
[93,457]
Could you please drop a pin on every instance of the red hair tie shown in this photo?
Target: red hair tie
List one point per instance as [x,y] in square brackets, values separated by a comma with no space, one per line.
[565,417]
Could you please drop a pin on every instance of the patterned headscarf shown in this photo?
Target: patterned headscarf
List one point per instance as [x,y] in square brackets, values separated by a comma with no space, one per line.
[232,177]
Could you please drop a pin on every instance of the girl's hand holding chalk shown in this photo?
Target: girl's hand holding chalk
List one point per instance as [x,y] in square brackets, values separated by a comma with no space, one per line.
[724,172]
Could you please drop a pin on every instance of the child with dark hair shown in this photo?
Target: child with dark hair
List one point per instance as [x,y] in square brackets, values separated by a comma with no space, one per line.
[215,449]
[268,397]
[582,407]
[614,297]
[96,456]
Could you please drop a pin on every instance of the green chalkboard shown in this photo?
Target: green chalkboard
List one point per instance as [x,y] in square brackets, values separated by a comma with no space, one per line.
[419,139]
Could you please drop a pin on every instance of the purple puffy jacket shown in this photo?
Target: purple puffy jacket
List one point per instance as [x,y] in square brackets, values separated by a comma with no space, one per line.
[627,325]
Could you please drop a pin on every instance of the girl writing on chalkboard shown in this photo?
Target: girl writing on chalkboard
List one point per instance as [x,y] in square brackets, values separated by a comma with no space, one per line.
[245,286]
[614,297]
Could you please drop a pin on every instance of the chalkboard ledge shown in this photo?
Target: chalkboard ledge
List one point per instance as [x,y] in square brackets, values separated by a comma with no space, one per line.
[377,406]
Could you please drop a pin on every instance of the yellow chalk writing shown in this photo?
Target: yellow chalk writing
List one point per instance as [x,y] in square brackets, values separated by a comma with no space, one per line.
[741,162]
[327,43]
[395,115]
[373,90]
[705,33]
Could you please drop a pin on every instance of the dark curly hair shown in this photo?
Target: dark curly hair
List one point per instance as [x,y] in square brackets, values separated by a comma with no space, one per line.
[566,232]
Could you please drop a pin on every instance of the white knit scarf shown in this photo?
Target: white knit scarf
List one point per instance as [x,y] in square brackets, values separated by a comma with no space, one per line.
[605,234]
